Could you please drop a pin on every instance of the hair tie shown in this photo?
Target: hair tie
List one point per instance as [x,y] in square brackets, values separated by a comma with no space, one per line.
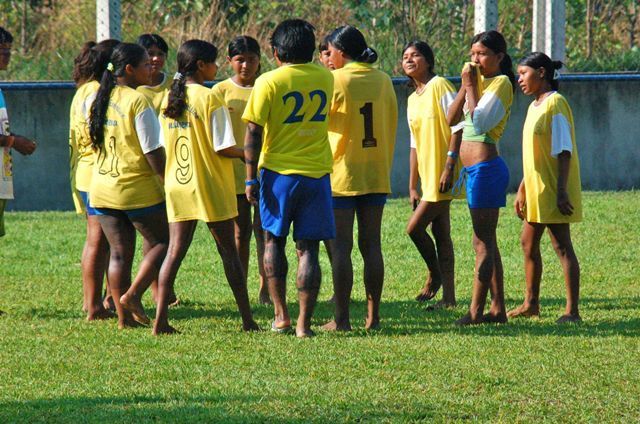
[178,76]
[556,74]
[368,52]
[110,67]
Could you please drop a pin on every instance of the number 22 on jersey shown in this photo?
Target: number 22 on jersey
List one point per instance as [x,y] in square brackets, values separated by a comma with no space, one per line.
[298,102]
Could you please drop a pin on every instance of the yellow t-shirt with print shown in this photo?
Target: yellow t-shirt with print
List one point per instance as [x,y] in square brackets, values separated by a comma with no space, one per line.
[156,93]
[540,167]
[362,130]
[235,98]
[499,86]
[292,103]
[82,155]
[427,117]
[122,178]
[199,183]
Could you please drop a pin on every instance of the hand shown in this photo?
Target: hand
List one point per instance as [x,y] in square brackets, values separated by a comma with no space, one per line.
[23,145]
[253,193]
[469,75]
[446,179]
[564,205]
[520,204]
[414,198]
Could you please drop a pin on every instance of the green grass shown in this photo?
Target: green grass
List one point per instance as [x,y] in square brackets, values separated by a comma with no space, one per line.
[55,367]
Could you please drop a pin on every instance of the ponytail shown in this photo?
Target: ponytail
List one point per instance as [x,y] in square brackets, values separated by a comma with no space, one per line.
[189,54]
[123,54]
[494,41]
[537,60]
[351,42]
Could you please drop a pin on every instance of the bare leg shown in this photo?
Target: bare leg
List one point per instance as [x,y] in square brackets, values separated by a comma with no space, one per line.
[561,241]
[369,223]
[308,283]
[530,241]
[276,268]
[258,232]
[441,227]
[327,247]
[122,238]
[341,268]
[242,230]
[94,263]
[424,214]
[180,237]
[223,233]
[484,223]
[155,230]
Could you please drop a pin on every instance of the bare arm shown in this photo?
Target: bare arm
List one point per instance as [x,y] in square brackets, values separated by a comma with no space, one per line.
[446,179]
[232,152]
[520,204]
[563,202]
[19,143]
[454,114]
[414,196]
[157,160]
[252,148]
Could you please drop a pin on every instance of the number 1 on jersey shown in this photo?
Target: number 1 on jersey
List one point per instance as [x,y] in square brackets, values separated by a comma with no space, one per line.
[367,113]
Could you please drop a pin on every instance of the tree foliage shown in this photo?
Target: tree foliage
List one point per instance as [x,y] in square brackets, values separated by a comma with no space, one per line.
[602,35]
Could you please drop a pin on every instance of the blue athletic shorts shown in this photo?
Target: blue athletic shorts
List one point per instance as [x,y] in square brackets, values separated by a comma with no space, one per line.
[354,202]
[85,198]
[305,201]
[486,184]
[131,213]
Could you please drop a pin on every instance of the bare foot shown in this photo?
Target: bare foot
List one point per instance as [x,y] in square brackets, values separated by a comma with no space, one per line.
[173,300]
[163,328]
[108,304]
[525,311]
[304,333]
[429,290]
[100,314]
[128,322]
[495,319]
[250,326]
[467,320]
[373,324]
[440,305]
[568,318]
[133,305]
[334,326]
[263,298]
[282,327]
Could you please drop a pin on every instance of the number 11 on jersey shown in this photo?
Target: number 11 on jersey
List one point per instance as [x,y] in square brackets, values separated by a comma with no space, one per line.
[367,113]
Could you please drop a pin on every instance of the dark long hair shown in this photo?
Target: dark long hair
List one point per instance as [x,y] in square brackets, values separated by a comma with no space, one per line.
[351,42]
[123,54]
[92,60]
[537,60]
[425,50]
[495,41]
[189,54]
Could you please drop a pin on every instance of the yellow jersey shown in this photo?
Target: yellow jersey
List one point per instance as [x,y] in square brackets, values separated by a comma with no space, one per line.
[430,135]
[548,131]
[292,103]
[491,113]
[122,178]
[362,130]
[82,155]
[156,93]
[235,98]
[199,183]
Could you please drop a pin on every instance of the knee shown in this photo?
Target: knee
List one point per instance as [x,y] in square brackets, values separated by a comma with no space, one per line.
[369,244]
[529,248]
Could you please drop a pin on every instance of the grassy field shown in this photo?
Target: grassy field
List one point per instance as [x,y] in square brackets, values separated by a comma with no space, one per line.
[55,367]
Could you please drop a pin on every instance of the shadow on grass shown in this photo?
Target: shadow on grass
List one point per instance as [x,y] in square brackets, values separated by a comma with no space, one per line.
[411,318]
[217,408]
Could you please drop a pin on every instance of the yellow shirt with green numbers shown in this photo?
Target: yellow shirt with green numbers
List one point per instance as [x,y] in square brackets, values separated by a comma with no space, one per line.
[362,130]
[82,155]
[292,104]
[122,178]
[156,93]
[430,135]
[235,98]
[548,131]
[199,183]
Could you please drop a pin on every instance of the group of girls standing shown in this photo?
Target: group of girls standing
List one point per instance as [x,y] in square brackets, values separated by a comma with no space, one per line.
[155,155]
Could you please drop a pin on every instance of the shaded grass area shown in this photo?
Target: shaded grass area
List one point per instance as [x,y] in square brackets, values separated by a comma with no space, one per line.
[57,368]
